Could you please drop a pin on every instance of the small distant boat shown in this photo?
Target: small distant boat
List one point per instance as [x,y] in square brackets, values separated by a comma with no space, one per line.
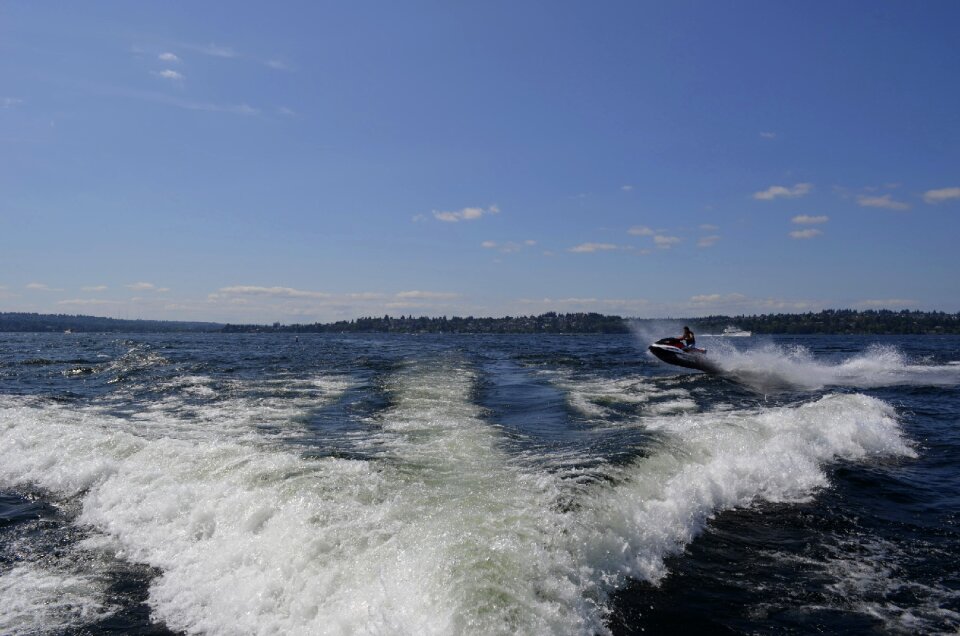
[736,332]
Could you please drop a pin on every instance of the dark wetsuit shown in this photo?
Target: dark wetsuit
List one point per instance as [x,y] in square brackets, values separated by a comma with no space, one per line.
[689,340]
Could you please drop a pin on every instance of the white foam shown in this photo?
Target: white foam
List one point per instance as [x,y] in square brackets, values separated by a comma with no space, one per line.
[443,533]
[595,397]
[38,600]
[721,460]
[773,366]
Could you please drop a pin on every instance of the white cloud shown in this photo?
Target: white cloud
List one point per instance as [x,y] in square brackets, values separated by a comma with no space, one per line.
[171,75]
[426,295]
[87,302]
[466,214]
[774,192]
[886,303]
[286,112]
[665,242]
[706,227]
[169,57]
[365,296]
[146,287]
[42,287]
[768,135]
[509,247]
[626,188]
[885,201]
[941,195]
[805,219]
[806,234]
[588,248]
[713,299]
[707,241]
[278,292]
[10,102]
[94,288]
[736,302]
[640,230]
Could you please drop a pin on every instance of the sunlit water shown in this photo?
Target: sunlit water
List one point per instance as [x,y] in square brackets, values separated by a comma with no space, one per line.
[323,484]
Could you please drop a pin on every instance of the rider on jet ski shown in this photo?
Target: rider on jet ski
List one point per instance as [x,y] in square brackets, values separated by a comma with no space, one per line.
[690,341]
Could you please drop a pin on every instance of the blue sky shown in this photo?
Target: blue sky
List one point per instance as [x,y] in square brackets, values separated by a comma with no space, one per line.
[316,161]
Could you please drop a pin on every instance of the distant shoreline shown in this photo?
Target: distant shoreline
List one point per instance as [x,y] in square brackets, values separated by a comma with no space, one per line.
[827,322]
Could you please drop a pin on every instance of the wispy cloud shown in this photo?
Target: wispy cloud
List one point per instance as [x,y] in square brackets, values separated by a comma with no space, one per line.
[42,287]
[713,299]
[806,219]
[213,50]
[141,286]
[886,303]
[665,242]
[509,247]
[170,74]
[626,188]
[94,288]
[466,214]
[589,248]
[776,192]
[427,295]
[768,135]
[941,195]
[170,100]
[10,102]
[806,234]
[641,230]
[86,302]
[707,227]
[884,201]
[737,302]
[708,241]
[278,65]
[275,292]
[168,57]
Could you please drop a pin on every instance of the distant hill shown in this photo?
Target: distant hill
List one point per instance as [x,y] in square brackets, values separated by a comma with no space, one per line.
[62,322]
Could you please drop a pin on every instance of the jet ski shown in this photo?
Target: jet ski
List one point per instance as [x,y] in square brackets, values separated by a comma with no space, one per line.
[674,351]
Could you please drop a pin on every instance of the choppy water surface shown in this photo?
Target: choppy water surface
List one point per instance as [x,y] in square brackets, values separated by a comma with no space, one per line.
[265,484]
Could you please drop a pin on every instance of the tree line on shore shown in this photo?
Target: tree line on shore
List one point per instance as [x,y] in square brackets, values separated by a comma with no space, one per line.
[830,321]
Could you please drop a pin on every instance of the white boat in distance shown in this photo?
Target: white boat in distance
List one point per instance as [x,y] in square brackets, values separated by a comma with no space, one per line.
[736,332]
[729,332]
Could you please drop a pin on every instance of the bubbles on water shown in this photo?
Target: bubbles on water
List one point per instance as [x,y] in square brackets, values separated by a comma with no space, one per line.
[876,577]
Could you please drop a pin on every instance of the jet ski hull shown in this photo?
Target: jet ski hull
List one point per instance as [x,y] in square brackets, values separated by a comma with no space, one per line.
[672,352]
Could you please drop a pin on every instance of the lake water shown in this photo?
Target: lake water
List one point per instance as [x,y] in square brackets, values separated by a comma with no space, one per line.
[462,484]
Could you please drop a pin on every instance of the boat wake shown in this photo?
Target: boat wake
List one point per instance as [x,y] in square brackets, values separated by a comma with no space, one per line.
[775,367]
